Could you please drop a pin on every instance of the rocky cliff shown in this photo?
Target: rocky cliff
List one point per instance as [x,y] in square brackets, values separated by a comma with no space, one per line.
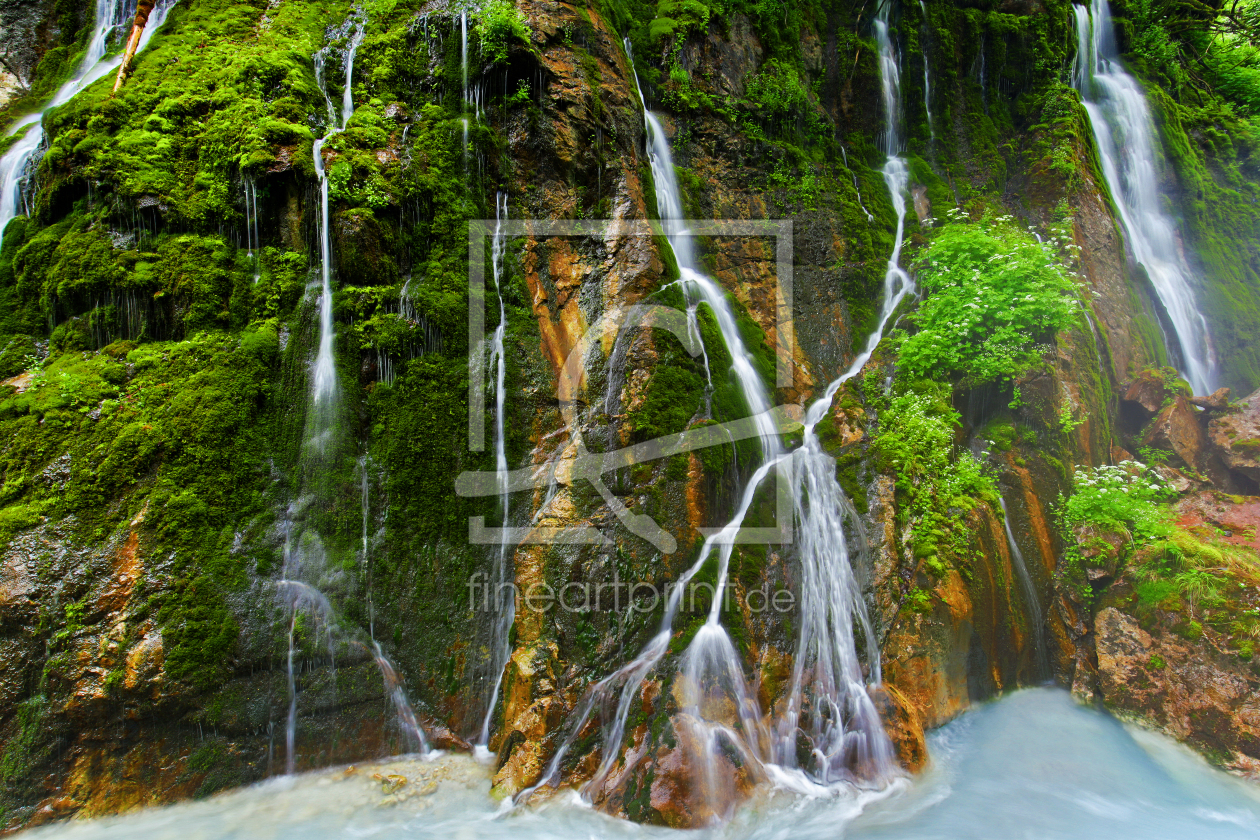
[185,561]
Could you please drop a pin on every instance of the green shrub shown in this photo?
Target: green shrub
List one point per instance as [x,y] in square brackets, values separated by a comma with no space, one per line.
[991,294]
[937,480]
[1121,498]
[500,25]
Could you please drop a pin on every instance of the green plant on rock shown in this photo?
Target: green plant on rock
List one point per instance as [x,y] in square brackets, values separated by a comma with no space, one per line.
[993,296]
[938,482]
[1123,498]
[501,25]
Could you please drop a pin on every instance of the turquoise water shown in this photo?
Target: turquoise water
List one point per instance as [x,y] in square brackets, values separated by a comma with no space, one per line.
[1033,765]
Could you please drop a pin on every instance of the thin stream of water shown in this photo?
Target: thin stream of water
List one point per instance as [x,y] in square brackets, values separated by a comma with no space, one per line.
[324,379]
[1032,602]
[504,607]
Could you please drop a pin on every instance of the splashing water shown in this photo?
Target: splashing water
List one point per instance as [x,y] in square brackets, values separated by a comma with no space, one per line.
[19,163]
[1125,135]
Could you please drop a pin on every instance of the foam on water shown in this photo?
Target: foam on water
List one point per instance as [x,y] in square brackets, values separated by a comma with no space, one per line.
[1033,765]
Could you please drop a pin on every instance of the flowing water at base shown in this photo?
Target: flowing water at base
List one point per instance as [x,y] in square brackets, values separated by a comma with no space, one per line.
[1033,765]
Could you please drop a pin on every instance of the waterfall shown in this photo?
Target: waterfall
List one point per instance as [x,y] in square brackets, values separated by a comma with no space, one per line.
[463,68]
[504,607]
[927,73]
[324,380]
[711,657]
[253,244]
[850,745]
[1033,604]
[1125,136]
[844,726]
[19,163]
[365,503]
[309,562]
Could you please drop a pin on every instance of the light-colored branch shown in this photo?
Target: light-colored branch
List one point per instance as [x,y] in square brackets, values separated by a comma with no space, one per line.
[133,42]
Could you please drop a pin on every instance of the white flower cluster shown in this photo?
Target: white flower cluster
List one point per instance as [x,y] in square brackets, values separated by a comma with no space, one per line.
[1125,477]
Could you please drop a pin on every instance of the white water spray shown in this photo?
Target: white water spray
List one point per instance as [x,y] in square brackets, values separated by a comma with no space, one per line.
[1126,142]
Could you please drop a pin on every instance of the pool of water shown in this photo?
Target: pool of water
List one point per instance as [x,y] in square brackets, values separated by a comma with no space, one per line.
[1032,765]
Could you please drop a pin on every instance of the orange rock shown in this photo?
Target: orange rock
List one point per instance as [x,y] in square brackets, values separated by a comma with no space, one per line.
[1177,429]
[904,726]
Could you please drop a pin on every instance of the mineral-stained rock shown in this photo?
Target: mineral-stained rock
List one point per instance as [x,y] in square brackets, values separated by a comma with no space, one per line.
[1235,439]
[904,726]
[1190,689]
[1148,391]
[1177,429]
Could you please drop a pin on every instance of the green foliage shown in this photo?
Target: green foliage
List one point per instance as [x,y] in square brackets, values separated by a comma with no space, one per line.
[992,295]
[678,18]
[781,102]
[499,25]
[938,482]
[919,601]
[1121,498]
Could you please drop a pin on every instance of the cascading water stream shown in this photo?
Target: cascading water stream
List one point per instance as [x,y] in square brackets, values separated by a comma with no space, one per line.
[504,607]
[253,243]
[324,379]
[365,503]
[302,597]
[711,656]
[851,746]
[927,75]
[463,68]
[1126,141]
[1032,601]
[18,164]
[844,726]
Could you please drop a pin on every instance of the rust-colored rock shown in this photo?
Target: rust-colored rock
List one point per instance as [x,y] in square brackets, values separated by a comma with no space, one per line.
[904,726]
[1235,440]
[1189,689]
[1178,430]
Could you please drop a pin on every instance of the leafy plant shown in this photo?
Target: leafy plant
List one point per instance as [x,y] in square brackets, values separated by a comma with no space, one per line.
[936,479]
[992,293]
[1122,498]
[501,24]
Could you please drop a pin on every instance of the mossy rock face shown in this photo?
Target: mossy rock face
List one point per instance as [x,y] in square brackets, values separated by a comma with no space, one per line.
[159,314]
